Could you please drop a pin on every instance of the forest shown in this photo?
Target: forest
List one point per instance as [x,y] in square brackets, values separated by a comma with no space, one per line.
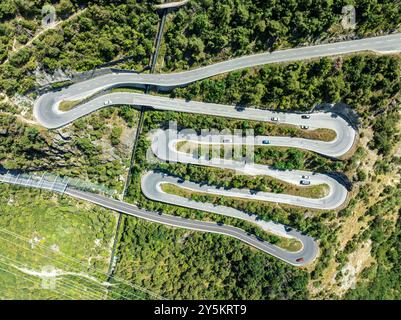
[209,30]
[101,33]
[176,283]
[365,82]
[73,151]
[370,85]
[179,263]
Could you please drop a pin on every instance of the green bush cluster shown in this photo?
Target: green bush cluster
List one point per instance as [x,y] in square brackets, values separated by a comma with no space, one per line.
[206,30]
[105,32]
[365,82]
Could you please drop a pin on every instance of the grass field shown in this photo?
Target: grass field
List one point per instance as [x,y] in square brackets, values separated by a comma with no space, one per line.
[52,247]
[68,105]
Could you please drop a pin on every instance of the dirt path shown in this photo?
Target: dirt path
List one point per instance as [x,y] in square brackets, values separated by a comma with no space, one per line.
[21,118]
[52,27]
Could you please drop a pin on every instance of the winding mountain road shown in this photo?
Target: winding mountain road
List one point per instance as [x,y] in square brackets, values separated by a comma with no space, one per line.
[47,113]
[164,146]
[308,251]
[345,133]
[46,106]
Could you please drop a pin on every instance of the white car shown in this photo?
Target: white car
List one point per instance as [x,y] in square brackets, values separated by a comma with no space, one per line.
[305,127]
[274,119]
[305,177]
[107,102]
[305,182]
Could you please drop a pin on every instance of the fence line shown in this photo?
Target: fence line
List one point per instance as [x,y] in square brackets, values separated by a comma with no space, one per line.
[52,182]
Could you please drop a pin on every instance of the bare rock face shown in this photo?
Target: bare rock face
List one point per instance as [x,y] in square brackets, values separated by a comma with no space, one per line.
[64,134]
[43,78]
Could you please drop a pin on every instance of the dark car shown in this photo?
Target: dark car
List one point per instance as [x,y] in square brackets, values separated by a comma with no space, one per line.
[300,260]
[305,116]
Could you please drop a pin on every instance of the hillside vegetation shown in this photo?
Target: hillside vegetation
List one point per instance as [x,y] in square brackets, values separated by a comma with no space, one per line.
[206,30]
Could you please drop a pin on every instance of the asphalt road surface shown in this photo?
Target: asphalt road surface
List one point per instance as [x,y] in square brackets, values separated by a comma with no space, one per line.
[47,113]
[307,253]
[383,44]
[164,147]
[51,117]
[48,103]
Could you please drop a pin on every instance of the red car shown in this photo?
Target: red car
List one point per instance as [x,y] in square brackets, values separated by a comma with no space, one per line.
[300,260]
